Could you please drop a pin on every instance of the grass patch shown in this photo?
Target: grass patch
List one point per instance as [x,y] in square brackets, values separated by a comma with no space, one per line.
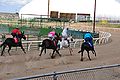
[108,25]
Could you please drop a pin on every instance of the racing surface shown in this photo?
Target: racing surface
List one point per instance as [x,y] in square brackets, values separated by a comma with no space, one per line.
[20,64]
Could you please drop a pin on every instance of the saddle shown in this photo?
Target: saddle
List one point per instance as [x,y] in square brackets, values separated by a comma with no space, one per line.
[16,40]
[53,42]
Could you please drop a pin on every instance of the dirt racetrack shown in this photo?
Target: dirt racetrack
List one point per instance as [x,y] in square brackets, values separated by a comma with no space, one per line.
[20,64]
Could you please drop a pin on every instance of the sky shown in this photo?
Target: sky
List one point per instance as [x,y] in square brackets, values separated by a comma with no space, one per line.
[104,7]
[12,6]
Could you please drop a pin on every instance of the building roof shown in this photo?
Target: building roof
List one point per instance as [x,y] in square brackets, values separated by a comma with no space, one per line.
[104,7]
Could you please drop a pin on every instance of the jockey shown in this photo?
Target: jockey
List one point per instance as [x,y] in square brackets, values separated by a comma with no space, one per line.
[88,38]
[52,35]
[65,40]
[15,33]
[65,34]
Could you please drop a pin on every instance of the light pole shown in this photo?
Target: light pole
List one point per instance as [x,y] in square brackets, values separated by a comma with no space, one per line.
[94,16]
[48,7]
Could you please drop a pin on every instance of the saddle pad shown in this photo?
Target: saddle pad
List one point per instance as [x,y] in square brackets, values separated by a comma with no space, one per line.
[16,40]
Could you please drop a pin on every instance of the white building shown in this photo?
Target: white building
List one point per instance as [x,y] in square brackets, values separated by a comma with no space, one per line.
[103,8]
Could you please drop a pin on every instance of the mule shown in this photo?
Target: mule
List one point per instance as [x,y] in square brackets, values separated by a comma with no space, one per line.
[87,47]
[11,42]
[49,44]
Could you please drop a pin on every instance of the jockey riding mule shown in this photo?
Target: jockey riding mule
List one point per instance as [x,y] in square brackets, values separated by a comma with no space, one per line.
[50,44]
[65,43]
[13,42]
[86,46]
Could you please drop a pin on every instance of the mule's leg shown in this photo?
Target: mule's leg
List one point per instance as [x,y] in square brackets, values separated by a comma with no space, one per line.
[94,52]
[53,54]
[82,50]
[41,51]
[79,51]
[81,55]
[45,50]
[88,55]
[9,50]
[58,52]
[4,46]
[16,48]
[23,49]
[70,49]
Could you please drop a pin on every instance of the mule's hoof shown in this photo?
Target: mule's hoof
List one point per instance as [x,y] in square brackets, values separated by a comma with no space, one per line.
[60,55]
[81,59]
[52,57]
[78,51]
[2,55]
[95,55]
[58,49]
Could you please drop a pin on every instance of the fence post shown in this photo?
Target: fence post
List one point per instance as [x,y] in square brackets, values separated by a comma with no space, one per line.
[55,76]
[27,40]
[3,37]
[39,38]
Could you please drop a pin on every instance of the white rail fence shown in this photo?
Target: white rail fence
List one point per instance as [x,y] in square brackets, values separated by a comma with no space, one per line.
[30,43]
[103,39]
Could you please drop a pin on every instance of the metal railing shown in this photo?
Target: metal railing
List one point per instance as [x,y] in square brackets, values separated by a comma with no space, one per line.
[108,72]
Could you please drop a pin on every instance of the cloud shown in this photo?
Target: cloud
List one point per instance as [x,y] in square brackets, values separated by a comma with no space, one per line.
[14,2]
[118,1]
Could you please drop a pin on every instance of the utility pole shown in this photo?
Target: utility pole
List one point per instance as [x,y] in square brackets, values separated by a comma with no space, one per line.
[48,7]
[94,16]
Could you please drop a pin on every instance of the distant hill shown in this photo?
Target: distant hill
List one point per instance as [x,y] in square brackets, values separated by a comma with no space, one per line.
[4,15]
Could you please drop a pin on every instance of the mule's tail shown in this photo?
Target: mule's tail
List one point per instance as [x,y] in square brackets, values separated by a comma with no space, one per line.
[79,51]
[2,44]
[40,45]
[43,46]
